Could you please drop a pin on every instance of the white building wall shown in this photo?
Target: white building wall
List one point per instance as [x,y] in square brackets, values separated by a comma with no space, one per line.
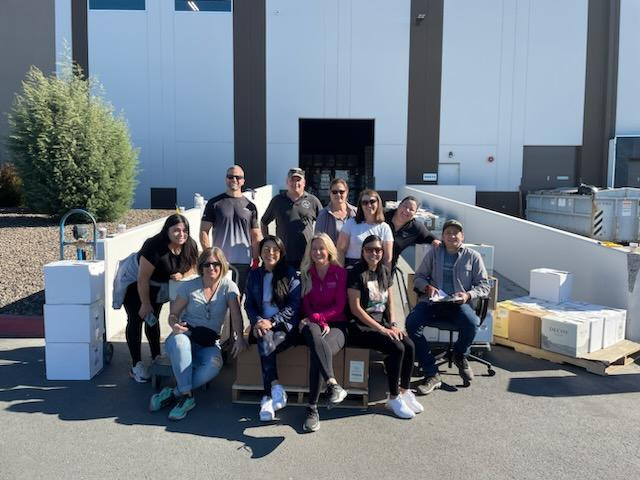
[338,59]
[513,74]
[171,74]
[628,102]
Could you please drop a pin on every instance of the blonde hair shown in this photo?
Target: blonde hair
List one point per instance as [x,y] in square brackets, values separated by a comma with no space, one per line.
[305,276]
[219,254]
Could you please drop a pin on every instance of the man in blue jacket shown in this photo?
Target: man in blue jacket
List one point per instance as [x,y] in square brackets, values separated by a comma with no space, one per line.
[450,277]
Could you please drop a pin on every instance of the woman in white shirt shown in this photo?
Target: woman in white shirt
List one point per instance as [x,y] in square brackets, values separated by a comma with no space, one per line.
[369,220]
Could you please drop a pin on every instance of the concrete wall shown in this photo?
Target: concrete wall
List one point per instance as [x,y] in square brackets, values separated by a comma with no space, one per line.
[338,59]
[27,38]
[461,193]
[602,275]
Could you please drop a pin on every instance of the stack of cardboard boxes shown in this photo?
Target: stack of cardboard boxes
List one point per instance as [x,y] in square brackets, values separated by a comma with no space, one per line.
[548,319]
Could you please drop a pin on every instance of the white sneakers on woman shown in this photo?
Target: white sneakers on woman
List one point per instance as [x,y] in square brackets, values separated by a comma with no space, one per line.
[400,408]
[269,405]
[267,414]
[140,373]
[411,401]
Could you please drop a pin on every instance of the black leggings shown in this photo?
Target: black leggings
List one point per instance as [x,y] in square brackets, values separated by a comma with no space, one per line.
[399,354]
[134,323]
[322,349]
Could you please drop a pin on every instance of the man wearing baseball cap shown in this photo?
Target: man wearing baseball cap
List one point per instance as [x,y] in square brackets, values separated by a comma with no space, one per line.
[295,212]
[449,277]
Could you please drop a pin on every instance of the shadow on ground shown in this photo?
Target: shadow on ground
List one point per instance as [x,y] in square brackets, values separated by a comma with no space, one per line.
[112,394]
[30,305]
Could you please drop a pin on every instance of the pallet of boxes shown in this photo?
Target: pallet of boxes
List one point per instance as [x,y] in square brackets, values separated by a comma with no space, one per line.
[350,366]
[549,325]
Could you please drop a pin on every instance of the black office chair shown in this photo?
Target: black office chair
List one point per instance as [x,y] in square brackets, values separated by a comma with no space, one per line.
[446,356]
[482,307]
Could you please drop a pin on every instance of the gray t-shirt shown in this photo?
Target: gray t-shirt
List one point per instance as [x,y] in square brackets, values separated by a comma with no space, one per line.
[232,219]
[358,233]
[294,221]
[199,312]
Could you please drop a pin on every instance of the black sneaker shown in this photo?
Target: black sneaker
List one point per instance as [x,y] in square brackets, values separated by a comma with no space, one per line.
[429,385]
[312,422]
[464,369]
[336,394]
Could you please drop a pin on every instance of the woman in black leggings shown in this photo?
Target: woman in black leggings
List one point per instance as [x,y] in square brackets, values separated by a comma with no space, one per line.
[324,290]
[168,255]
[370,301]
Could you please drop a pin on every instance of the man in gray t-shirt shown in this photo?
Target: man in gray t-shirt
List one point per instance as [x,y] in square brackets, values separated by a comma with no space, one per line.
[295,213]
[234,221]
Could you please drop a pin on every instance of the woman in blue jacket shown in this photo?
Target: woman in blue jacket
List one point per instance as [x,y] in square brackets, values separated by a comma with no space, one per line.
[272,304]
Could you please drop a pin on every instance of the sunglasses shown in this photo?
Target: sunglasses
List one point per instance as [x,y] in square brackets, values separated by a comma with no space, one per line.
[374,250]
[336,192]
[371,201]
[212,265]
[237,177]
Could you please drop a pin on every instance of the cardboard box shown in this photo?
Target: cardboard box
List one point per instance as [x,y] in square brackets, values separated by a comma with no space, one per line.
[74,323]
[412,296]
[431,334]
[73,361]
[551,285]
[74,282]
[293,367]
[356,368]
[443,336]
[338,367]
[524,325]
[501,320]
[565,335]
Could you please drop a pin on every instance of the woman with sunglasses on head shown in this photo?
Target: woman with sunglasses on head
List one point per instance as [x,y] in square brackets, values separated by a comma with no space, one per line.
[332,217]
[407,231]
[369,220]
[170,254]
[324,296]
[196,319]
[272,303]
[373,326]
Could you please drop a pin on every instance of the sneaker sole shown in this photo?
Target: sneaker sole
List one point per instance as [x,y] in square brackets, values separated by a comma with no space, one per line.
[398,416]
[184,414]
[330,405]
[133,376]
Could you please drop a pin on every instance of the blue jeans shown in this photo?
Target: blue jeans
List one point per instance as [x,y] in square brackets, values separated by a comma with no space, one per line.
[268,363]
[192,364]
[446,315]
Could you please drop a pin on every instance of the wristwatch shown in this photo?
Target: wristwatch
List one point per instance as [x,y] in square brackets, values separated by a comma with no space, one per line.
[394,324]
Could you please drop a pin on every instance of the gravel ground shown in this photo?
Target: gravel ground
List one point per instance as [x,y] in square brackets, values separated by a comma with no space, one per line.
[29,241]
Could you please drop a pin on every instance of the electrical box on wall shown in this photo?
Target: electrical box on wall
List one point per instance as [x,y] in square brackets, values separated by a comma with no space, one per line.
[429,177]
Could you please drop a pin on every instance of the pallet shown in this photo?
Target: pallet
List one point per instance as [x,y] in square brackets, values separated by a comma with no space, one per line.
[297,396]
[607,361]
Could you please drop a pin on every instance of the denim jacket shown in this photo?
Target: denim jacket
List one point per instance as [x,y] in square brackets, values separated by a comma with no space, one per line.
[288,314]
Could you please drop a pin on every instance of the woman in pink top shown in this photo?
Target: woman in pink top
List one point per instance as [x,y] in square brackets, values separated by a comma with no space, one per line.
[324,292]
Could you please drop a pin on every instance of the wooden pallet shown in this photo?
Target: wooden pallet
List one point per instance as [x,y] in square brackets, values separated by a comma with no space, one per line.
[603,362]
[297,396]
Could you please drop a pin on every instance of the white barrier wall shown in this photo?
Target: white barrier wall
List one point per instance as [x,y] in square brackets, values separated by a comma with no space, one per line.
[602,275]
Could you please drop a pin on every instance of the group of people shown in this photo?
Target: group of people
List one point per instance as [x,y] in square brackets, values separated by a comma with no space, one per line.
[324,280]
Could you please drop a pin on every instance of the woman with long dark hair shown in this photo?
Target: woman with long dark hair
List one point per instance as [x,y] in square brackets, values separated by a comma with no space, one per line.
[373,326]
[369,220]
[272,304]
[168,255]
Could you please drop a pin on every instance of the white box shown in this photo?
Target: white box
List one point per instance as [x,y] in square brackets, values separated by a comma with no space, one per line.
[430,333]
[486,252]
[443,336]
[74,282]
[73,361]
[564,335]
[551,285]
[74,323]
[485,331]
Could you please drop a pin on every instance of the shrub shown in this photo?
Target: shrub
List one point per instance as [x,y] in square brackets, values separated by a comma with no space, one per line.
[70,150]
[10,186]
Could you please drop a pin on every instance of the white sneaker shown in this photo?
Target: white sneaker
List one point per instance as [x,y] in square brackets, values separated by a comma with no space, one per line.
[411,401]
[266,410]
[399,408]
[140,373]
[279,397]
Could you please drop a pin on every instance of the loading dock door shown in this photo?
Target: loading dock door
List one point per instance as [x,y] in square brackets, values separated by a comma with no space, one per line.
[331,148]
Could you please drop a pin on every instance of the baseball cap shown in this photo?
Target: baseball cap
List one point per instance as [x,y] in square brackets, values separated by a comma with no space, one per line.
[295,172]
[452,223]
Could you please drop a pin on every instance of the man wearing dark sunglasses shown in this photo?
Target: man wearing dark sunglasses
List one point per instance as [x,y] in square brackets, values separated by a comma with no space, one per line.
[233,219]
[295,212]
